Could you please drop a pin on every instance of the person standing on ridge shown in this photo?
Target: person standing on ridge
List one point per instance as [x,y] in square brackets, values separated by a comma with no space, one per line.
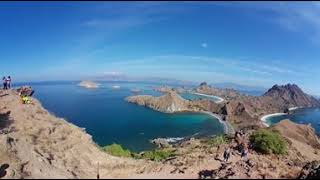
[4,79]
[226,154]
[9,82]
[244,153]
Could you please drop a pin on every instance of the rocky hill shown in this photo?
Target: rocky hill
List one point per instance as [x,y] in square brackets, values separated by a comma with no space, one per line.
[245,111]
[228,94]
[169,103]
[291,95]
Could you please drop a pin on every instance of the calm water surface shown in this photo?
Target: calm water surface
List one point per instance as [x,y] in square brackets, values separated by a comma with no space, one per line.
[106,116]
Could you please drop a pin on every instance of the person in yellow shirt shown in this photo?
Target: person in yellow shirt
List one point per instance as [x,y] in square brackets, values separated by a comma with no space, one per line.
[25,100]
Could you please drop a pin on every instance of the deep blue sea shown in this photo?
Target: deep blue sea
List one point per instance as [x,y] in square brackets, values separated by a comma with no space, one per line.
[106,116]
[301,116]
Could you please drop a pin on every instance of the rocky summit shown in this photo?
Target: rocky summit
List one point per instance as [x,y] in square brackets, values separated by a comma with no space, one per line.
[292,95]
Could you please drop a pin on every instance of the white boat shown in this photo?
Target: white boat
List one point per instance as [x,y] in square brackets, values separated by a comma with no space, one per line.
[116,87]
[135,90]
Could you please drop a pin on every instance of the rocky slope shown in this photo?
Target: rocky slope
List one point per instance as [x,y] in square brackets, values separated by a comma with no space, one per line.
[35,144]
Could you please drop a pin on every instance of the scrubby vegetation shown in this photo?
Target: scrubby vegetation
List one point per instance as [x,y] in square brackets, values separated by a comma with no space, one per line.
[217,140]
[117,150]
[267,142]
[157,155]
[154,155]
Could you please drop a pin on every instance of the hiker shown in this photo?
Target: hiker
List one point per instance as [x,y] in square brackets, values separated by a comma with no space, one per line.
[217,153]
[25,100]
[244,153]
[4,79]
[226,154]
[241,133]
[9,82]
[25,92]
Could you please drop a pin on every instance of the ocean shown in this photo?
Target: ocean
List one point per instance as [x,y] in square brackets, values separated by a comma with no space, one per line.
[108,118]
[301,116]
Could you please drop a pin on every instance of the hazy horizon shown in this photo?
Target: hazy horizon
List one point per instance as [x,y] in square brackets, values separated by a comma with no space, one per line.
[247,43]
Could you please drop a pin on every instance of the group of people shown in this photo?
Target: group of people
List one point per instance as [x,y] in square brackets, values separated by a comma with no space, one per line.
[6,82]
[25,92]
[242,147]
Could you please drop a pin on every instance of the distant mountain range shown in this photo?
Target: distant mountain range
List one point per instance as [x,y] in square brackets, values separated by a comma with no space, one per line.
[238,87]
[156,80]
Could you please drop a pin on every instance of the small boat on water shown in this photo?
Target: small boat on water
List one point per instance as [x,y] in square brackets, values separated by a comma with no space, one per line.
[135,90]
[116,87]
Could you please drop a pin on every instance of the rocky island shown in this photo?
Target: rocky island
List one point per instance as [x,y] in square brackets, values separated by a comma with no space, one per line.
[88,84]
[171,102]
[243,111]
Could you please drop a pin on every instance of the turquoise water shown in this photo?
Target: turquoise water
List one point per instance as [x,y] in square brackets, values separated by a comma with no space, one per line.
[301,116]
[110,119]
[190,96]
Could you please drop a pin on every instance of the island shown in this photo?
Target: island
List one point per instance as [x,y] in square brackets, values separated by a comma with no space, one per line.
[88,84]
[243,111]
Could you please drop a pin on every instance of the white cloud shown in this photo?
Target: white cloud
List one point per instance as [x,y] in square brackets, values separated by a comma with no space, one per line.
[204,45]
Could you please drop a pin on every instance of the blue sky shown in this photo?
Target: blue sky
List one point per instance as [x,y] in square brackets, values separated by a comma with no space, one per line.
[250,43]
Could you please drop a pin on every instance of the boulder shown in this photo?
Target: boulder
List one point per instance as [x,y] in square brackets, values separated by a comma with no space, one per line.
[161,143]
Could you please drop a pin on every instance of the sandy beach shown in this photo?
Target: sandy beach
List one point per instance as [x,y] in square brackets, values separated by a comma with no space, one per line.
[265,117]
[295,108]
[228,129]
[219,101]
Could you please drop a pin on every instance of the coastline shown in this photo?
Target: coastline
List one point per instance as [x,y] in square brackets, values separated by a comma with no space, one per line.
[219,101]
[265,117]
[228,128]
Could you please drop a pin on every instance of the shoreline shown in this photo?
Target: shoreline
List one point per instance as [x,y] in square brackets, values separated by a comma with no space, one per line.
[227,127]
[265,117]
[219,101]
